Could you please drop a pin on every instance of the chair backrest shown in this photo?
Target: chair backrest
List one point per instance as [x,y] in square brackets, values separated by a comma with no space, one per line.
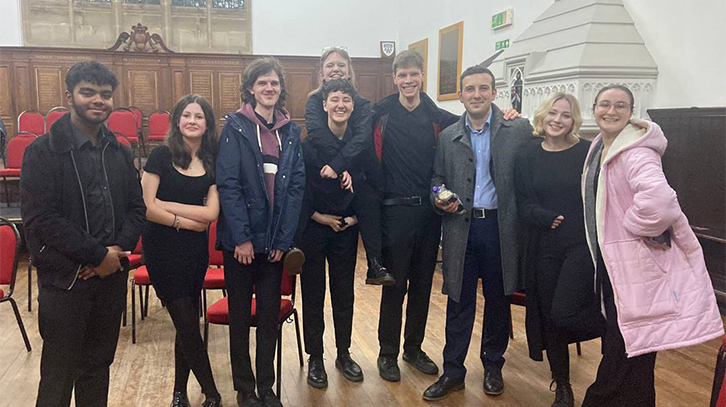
[53,115]
[9,245]
[215,256]
[16,148]
[159,125]
[32,121]
[123,121]
[138,249]
[139,116]
[287,285]
[123,139]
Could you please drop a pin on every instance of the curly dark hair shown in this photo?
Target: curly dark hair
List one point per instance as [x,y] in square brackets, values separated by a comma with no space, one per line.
[92,72]
[339,85]
[180,153]
[260,67]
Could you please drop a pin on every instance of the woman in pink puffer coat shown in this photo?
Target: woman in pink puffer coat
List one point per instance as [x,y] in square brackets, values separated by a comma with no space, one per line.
[651,276]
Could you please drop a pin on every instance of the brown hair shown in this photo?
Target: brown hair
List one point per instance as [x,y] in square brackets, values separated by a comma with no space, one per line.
[260,67]
[180,154]
[408,59]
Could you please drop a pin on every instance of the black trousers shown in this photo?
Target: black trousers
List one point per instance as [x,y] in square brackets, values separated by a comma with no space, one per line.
[265,278]
[367,207]
[621,381]
[483,260]
[80,329]
[340,249]
[411,236]
[565,280]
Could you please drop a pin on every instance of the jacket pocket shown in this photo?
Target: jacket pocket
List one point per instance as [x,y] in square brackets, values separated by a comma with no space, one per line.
[641,280]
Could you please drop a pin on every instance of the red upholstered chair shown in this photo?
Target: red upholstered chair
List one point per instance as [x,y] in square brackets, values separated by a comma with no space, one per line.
[53,115]
[136,260]
[122,120]
[14,158]
[158,125]
[140,279]
[9,247]
[520,298]
[139,125]
[718,392]
[31,121]
[218,313]
[214,279]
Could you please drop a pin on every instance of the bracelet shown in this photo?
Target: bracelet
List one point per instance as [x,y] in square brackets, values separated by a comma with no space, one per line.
[175,223]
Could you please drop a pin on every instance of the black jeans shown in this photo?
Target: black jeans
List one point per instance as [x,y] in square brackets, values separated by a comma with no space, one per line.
[483,260]
[411,236]
[265,278]
[621,381]
[367,207]
[80,329]
[340,249]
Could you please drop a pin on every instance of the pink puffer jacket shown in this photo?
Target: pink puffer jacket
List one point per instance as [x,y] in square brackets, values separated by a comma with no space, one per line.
[664,298]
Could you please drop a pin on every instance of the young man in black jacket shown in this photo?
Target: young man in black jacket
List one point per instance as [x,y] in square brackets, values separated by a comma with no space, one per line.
[83,212]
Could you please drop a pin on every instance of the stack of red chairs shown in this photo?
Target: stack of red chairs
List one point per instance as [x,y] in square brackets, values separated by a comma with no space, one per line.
[31,121]
[9,247]
[139,125]
[214,279]
[14,159]
[122,120]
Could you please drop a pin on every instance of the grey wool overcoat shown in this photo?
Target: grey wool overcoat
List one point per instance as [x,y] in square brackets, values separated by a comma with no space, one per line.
[455,166]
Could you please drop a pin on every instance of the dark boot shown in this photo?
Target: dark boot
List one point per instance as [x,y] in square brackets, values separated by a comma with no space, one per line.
[378,275]
[563,393]
[293,261]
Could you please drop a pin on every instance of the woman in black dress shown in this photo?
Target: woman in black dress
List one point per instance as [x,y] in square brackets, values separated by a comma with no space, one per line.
[561,307]
[181,200]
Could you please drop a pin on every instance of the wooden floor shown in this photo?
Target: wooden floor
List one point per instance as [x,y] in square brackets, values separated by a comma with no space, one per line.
[142,374]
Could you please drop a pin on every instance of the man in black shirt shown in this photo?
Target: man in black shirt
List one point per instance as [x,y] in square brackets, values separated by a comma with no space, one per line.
[83,212]
[406,128]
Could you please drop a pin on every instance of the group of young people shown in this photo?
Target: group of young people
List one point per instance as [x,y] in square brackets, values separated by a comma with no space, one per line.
[592,231]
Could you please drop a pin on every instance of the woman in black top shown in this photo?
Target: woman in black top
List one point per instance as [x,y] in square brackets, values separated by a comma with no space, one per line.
[181,200]
[559,274]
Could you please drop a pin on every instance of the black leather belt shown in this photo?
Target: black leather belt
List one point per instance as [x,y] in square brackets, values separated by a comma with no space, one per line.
[405,200]
[481,213]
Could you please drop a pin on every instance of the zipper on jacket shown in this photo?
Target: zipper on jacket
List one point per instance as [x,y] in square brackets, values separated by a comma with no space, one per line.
[110,197]
[85,212]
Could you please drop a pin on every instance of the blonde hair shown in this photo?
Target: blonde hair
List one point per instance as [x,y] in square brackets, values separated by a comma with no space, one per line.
[328,52]
[545,108]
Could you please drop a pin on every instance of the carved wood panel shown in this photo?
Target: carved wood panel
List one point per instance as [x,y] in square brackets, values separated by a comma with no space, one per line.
[143,90]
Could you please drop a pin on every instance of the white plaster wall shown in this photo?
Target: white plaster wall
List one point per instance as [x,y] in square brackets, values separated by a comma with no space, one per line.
[687,41]
[10,21]
[295,27]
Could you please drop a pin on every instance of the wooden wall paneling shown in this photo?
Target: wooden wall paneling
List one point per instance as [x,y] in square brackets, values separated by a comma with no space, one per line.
[23,89]
[6,103]
[48,90]
[142,89]
[229,94]
[299,84]
[368,86]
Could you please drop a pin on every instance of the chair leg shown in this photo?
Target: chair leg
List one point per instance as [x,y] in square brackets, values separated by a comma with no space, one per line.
[133,311]
[579,349]
[297,333]
[30,285]
[146,302]
[20,324]
[126,308]
[511,327]
[7,192]
[206,334]
[141,302]
[224,292]
[203,310]
[279,359]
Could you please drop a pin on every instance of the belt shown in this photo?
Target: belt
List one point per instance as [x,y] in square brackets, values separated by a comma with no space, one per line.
[405,200]
[481,213]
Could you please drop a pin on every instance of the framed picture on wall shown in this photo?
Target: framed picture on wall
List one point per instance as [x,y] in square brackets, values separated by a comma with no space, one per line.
[450,45]
[422,47]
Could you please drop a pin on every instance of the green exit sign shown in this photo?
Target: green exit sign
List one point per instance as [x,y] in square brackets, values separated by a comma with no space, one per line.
[502,19]
[501,45]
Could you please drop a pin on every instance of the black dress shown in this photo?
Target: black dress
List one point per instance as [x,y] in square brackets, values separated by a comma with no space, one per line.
[177,261]
[559,274]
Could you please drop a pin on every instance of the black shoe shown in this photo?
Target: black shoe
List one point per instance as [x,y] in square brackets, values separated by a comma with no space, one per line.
[563,394]
[248,399]
[180,399]
[215,401]
[441,389]
[388,368]
[316,373]
[378,275]
[293,261]
[493,382]
[422,362]
[351,370]
[269,399]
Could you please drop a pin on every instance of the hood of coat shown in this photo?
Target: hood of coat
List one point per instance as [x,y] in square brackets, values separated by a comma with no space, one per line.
[637,134]
[281,117]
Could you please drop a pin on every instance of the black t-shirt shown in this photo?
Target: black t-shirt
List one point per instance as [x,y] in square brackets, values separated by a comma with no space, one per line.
[175,186]
[409,148]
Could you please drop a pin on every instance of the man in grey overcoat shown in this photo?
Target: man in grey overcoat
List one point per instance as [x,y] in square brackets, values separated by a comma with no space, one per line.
[475,159]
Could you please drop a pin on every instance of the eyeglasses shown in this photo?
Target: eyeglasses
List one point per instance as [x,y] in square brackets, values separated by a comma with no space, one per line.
[620,107]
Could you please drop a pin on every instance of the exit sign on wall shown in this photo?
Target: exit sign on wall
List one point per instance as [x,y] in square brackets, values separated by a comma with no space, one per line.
[502,19]
[501,45]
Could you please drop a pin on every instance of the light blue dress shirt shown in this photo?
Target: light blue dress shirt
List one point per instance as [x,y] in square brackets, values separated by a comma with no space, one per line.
[485,194]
